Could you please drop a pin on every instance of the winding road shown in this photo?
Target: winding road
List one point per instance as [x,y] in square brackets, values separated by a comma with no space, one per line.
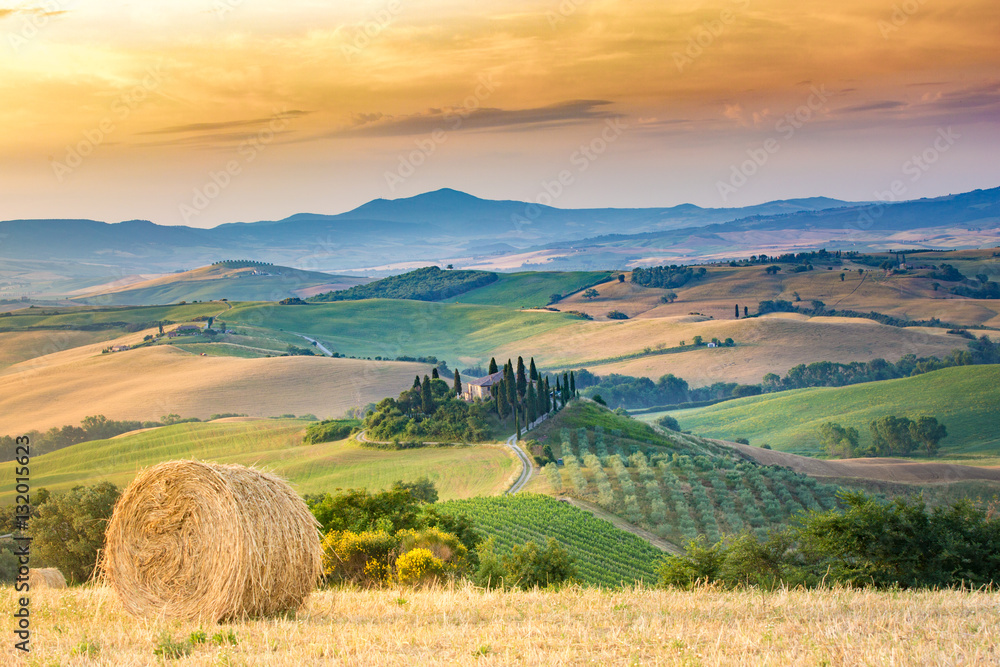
[317,344]
[527,469]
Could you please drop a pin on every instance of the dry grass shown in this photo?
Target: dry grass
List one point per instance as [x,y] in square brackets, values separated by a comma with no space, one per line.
[144,384]
[572,627]
[768,344]
[902,295]
[46,577]
[196,540]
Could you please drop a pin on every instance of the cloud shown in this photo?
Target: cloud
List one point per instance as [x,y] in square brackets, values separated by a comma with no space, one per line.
[464,118]
[880,105]
[226,125]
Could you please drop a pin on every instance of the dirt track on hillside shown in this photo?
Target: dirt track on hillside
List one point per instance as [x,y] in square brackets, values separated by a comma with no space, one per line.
[888,470]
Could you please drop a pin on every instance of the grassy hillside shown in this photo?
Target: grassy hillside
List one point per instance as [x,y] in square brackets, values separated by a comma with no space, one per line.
[148,383]
[530,289]
[233,282]
[275,445]
[770,344]
[96,318]
[964,398]
[908,295]
[429,283]
[605,555]
[393,327]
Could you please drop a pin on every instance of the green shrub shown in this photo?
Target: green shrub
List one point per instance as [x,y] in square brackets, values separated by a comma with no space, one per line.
[330,430]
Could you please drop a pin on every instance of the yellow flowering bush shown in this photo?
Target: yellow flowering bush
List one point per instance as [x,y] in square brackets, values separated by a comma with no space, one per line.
[418,566]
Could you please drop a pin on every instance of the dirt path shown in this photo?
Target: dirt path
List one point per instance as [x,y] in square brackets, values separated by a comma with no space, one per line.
[883,469]
[622,524]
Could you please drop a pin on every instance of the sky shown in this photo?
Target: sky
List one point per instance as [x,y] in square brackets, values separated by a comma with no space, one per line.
[213,111]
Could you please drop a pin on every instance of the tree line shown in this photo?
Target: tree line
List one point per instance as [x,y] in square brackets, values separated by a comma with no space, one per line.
[429,283]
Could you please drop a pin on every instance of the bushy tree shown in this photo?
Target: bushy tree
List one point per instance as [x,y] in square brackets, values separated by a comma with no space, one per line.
[838,441]
[529,565]
[69,529]
[891,435]
[928,433]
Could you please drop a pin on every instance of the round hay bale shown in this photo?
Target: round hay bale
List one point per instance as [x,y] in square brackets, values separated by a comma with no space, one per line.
[46,577]
[189,539]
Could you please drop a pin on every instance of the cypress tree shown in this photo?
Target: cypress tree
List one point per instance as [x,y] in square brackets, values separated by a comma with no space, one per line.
[426,398]
[517,427]
[435,375]
[532,400]
[557,396]
[572,383]
[565,388]
[458,383]
[416,382]
[522,380]
[548,396]
[532,371]
[510,384]
[493,365]
[737,311]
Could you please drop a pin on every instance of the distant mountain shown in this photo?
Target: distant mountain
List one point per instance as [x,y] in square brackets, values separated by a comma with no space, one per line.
[446,223]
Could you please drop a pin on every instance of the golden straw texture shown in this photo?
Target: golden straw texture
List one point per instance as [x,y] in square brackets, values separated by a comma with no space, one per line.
[190,539]
[46,577]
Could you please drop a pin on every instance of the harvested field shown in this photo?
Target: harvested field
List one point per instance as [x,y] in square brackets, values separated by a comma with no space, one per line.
[145,384]
[467,626]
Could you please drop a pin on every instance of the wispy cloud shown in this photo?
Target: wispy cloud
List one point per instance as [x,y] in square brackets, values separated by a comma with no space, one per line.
[880,105]
[562,113]
[224,125]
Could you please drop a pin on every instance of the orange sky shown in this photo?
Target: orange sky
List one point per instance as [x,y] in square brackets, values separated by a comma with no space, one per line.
[212,111]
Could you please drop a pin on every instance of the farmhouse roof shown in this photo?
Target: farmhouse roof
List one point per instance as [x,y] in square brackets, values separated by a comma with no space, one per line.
[487,381]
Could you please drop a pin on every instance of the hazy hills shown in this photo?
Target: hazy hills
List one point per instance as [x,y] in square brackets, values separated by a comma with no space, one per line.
[451,225]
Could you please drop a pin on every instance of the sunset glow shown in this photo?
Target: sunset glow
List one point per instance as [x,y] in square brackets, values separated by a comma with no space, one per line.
[308,106]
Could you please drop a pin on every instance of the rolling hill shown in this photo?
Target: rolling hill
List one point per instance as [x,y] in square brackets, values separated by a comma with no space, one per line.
[274,445]
[235,281]
[146,383]
[964,398]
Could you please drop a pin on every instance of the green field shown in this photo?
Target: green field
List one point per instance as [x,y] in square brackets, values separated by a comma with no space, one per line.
[214,282]
[274,445]
[83,317]
[390,328]
[965,399]
[530,289]
[605,555]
